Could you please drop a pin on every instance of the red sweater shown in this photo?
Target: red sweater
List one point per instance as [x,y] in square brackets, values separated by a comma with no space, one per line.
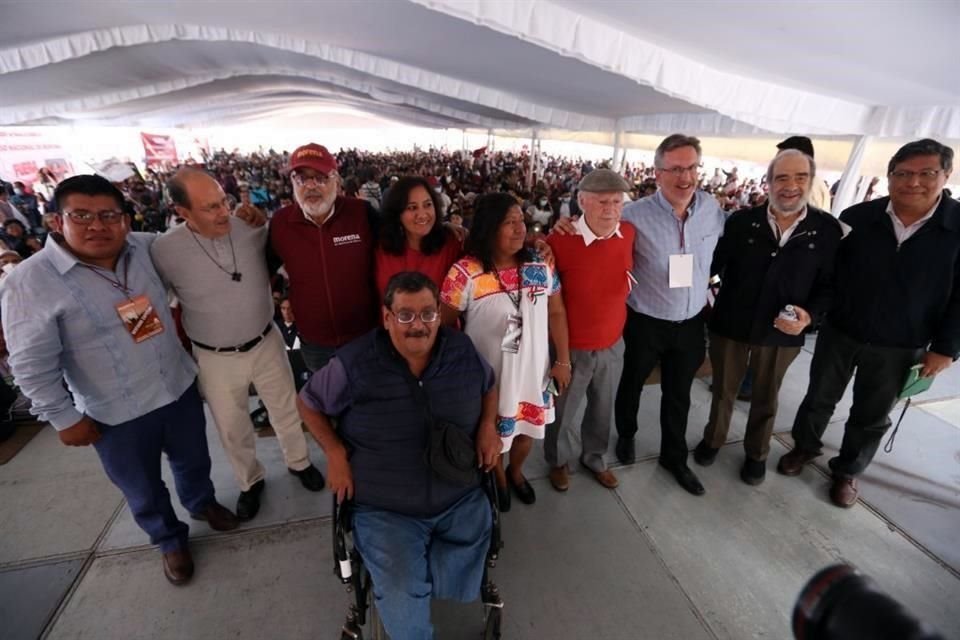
[435,266]
[595,286]
[331,270]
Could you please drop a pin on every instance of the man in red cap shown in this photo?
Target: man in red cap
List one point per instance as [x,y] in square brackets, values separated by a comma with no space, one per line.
[325,242]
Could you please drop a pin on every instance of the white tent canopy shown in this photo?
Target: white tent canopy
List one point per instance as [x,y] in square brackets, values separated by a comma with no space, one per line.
[710,68]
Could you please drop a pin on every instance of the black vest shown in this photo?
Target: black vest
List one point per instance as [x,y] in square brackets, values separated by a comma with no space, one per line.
[385,428]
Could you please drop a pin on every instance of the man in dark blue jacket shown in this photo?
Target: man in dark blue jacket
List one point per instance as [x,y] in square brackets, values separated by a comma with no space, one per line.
[420,535]
[769,257]
[897,304]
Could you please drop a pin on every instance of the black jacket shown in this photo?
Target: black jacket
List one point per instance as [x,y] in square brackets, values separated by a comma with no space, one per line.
[759,278]
[900,297]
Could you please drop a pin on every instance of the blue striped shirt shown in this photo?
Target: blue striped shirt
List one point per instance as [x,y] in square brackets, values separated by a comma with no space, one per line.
[61,325]
[660,234]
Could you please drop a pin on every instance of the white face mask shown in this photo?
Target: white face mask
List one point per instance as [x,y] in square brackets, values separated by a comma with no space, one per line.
[543,203]
[438,189]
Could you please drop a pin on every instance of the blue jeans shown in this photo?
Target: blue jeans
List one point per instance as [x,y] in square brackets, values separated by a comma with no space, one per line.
[413,559]
[131,451]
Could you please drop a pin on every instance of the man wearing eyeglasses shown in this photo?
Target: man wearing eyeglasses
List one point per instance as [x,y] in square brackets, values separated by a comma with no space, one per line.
[216,266]
[419,534]
[897,304]
[769,257]
[677,229]
[325,243]
[93,345]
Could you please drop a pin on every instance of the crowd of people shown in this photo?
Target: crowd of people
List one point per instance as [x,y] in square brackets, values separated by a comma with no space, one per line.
[453,310]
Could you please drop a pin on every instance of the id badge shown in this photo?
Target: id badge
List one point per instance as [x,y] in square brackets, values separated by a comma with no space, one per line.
[511,337]
[681,270]
[139,318]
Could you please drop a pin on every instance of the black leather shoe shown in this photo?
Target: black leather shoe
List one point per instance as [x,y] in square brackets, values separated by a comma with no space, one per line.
[704,455]
[310,478]
[626,450]
[218,517]
[686,479]
[524,491]
[753,471]
[249,502]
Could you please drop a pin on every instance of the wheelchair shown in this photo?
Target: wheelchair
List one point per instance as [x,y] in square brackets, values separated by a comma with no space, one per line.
[349,568]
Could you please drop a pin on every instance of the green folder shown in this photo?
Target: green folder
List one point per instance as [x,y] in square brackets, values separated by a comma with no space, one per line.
[914,384]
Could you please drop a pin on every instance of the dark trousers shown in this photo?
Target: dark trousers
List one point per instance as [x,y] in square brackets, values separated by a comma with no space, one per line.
[768,364]
[130,453]
[679,348]
[880,372]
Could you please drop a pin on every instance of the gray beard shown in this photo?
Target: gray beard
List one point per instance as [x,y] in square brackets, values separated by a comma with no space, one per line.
[319,210]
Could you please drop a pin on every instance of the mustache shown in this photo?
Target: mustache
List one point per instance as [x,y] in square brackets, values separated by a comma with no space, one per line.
[417,334]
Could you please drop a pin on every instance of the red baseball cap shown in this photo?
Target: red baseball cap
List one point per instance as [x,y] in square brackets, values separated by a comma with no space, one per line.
[313,156]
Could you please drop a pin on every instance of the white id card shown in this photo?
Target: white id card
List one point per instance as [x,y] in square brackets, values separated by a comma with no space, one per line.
[681,270]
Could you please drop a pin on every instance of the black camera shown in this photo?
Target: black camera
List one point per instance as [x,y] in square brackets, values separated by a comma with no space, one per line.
[839,603]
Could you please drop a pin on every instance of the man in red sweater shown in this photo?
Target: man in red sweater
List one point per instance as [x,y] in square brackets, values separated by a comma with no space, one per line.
[594,267]
[325,242]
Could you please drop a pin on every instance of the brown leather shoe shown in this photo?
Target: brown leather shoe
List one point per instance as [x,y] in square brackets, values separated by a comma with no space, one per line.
[178,566]
[218,517]
[792,463]
[844,491]
[606,478]
[559,478]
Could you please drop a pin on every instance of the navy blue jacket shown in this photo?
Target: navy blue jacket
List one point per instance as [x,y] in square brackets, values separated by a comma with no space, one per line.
[906,296]
[385,427]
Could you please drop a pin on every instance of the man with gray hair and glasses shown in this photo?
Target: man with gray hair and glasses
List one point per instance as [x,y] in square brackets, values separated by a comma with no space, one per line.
[775,263]
[896,305]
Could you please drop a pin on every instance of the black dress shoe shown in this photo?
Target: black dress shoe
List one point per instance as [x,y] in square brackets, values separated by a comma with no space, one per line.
[218,517]
[310,478]
[524,491]
[753,471]
[626,450]
[704,455]
[248,504]
[686,479]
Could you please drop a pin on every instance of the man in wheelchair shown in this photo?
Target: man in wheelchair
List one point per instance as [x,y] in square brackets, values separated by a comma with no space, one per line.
[415,408]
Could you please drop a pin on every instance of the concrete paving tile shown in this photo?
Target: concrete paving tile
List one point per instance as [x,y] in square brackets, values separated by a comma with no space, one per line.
[917,485]
[54,500]
[576,566]
[29,596]
[743,553]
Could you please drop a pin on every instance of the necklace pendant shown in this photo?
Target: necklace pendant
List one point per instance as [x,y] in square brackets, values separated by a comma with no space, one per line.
[237,276]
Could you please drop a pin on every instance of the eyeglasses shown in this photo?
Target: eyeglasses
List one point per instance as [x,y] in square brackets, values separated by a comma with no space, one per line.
[927,175]
[86,218]
[301,180]
[679,171]
[407,317]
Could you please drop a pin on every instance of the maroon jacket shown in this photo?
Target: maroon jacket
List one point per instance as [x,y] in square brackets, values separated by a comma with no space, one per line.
[332,289]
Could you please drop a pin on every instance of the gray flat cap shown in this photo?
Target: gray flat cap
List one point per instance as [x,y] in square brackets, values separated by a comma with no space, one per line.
[603,181]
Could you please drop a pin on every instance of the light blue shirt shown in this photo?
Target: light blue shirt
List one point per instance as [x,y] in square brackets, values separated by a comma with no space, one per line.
[660,234]
[61,325]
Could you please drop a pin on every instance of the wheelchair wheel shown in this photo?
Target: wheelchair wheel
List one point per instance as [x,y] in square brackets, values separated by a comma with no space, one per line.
[492,629]
[377,632]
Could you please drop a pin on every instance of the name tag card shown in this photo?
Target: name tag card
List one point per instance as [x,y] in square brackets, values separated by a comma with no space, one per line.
[140,318]
[681,270]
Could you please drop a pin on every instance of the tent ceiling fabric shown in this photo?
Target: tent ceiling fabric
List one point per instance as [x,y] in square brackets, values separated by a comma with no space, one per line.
[711,68]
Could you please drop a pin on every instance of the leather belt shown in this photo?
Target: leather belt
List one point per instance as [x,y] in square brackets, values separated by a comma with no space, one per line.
[242,348]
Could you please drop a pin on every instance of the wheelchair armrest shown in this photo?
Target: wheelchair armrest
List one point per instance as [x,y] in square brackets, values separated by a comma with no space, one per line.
[342,521]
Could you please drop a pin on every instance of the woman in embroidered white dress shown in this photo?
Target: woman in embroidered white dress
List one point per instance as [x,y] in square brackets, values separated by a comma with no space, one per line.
[508,299]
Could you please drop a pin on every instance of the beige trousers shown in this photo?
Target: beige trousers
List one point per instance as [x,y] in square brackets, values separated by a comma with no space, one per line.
[225,380]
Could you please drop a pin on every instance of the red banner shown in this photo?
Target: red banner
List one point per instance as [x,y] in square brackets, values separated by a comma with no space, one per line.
[158,149]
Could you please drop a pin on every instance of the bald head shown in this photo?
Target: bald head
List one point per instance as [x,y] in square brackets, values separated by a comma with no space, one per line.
[200,200]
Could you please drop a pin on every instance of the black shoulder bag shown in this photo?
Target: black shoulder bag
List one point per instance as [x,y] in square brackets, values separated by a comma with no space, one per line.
[450,452]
